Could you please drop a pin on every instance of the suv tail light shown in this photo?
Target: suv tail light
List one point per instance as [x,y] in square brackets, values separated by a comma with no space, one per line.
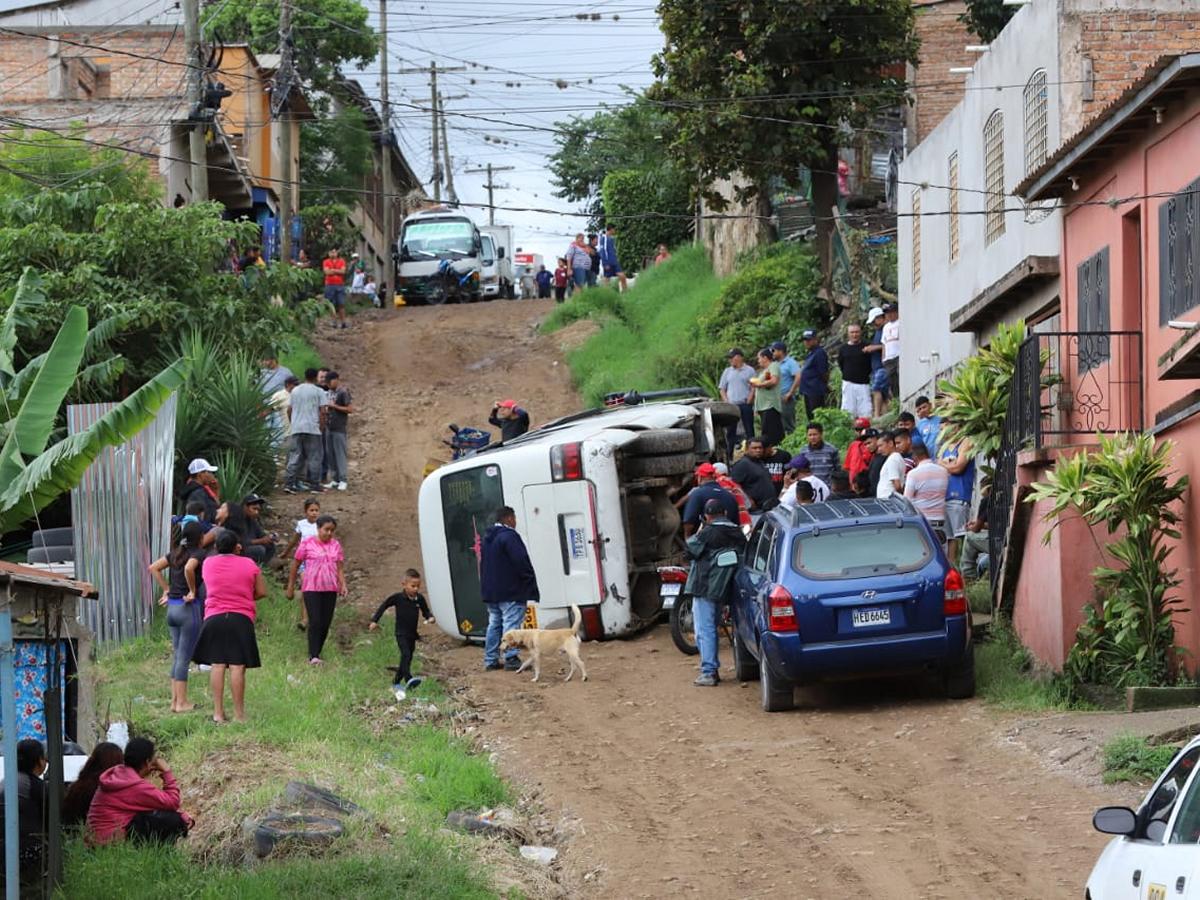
[781,611]
[954,601]
[566,462]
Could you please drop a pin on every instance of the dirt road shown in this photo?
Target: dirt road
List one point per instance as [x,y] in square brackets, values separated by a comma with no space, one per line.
[869,790]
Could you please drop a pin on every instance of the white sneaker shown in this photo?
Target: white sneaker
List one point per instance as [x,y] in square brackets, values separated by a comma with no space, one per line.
[330,486]
[341,485]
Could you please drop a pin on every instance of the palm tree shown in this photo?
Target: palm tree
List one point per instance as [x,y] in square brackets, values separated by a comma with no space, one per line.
[34,471]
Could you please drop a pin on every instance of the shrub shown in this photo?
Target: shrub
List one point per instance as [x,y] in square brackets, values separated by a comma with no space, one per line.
[630,194]
[839,431]
[1128,757]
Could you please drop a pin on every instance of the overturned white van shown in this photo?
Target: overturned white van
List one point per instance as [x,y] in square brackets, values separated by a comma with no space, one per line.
[592,494]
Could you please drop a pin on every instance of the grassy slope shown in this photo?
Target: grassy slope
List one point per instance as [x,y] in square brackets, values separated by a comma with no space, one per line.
[644,330]
[337,727]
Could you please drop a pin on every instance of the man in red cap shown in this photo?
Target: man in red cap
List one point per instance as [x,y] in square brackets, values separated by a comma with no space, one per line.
[509,418]
[706,489]
[858,454]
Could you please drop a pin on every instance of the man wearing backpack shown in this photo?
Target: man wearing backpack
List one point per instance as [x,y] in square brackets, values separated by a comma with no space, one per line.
[715,550]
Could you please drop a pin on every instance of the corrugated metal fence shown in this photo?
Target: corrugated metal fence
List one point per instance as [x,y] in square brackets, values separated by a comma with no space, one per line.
[121,514]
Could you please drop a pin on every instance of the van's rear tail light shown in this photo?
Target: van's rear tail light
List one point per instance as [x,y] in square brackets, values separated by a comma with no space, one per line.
[672,575]
[566,462]
[954,602]
[593,628]
[781,611]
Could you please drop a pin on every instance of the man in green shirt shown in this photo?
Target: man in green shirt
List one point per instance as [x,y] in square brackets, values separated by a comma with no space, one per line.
[767,402]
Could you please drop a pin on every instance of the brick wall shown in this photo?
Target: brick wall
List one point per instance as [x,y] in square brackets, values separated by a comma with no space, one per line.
[1120,45]
[943,41]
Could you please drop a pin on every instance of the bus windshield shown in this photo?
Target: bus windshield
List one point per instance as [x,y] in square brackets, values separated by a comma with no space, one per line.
[438,239]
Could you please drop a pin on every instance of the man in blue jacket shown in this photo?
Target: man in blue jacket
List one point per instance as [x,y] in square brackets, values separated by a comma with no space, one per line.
[609,259]
[508,583]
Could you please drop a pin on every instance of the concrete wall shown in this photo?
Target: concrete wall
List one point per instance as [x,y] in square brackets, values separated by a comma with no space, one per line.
[1028,43]
[726,238]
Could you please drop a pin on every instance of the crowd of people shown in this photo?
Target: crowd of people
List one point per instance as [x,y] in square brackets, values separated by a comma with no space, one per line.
[590,260]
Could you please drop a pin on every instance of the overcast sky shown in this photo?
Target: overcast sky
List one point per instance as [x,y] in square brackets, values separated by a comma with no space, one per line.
[529,45]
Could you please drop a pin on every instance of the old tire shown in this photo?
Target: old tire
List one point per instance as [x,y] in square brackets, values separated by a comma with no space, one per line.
[724,415]
[651,466]
[958,681]
[745,666]
[683,625]
[658,441]
[778,695]
[296,830]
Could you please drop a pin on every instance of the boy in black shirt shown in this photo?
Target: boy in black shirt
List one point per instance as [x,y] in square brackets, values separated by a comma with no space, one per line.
[407,603]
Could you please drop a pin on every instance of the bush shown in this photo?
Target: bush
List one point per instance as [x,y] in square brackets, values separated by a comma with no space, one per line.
[1128,757]
[629,194]
[839,431]
[1005,676]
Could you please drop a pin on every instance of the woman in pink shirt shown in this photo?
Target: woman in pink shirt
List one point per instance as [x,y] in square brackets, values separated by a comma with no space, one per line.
[323,580]
[235,585]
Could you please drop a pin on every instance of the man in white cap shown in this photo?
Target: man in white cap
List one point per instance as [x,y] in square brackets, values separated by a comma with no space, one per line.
[201,487]
[874,349]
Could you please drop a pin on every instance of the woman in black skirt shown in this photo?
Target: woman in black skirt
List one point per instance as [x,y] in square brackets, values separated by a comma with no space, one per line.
[235,585]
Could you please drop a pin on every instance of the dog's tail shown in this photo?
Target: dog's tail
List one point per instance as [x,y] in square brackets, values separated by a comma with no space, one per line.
[578,617]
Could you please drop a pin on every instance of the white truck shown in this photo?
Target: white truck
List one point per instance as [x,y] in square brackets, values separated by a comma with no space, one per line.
[497,274]
[593,498]
[440,252]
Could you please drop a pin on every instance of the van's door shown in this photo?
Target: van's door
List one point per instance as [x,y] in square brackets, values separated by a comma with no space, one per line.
[560,531]
[470,498]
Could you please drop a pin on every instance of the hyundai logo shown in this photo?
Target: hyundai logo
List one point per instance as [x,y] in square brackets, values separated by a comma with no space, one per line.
[868,595]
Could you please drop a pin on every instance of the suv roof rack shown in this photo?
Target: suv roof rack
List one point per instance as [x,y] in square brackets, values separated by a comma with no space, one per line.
[636,398]
[833,511]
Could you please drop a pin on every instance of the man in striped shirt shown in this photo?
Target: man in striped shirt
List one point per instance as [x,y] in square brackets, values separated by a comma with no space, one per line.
[926,485]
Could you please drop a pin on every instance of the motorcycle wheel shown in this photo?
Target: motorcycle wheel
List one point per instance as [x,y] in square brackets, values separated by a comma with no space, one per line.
[683,626]
[436,297]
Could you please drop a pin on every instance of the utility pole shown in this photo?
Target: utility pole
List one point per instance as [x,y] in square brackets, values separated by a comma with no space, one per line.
[451,194]
[491,186]
[432,71]
[385,146]
[194,96]
[279,102]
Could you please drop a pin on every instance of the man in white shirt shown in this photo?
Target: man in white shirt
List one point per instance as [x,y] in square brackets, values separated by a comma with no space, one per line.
[891,346]
[800,469]
[891,476]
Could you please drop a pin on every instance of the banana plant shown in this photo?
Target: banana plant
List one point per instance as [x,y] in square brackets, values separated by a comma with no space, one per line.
[33,470]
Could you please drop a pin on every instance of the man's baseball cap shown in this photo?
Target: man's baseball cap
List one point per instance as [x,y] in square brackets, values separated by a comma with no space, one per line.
[714,507]
[799,462]
[253,500]
[705,470]
[196,466]
[888,307]
[862,422]
[721,468]
[874,314]
[808,334]
[871,432]
[779,345]
[508,404]
[736,351]
[291,379]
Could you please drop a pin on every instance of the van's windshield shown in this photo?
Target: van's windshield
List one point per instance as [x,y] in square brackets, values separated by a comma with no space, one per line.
[438,239]
[861,552]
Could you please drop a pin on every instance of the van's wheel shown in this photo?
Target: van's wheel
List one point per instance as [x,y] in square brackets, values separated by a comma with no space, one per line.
[958,681]
[658,441]
[683,625]
[778,695]
[651,466]
[723,414]
[745,666]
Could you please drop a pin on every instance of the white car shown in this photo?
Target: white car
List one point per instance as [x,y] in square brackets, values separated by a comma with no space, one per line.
[593,499]
[1156,853]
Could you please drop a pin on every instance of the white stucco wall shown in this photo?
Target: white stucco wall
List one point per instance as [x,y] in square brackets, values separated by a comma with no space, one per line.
[1028,43]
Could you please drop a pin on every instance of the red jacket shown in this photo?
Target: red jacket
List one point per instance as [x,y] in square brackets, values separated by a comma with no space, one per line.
[858,458]
[122,794]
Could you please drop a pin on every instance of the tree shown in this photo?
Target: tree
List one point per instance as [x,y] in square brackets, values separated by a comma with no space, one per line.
[335,155]
[629,194]
[987,18]
[764,87]
[33,471]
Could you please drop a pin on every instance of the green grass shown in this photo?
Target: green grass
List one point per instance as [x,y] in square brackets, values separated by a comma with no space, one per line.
[1004,675]
[300,354]
[643,332]
[338,727]
[979,595]
[1128,757]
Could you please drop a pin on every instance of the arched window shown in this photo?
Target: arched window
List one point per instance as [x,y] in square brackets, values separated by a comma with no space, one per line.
[1035,121]
[993,176]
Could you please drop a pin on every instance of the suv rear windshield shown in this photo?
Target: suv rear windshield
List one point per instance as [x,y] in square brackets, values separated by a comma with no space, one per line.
[861,552]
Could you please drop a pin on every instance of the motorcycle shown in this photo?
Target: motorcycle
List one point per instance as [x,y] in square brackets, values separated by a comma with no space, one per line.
[465,441]
[450,284]
[677,603]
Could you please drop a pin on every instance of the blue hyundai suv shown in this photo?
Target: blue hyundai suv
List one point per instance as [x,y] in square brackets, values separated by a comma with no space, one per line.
[846,588]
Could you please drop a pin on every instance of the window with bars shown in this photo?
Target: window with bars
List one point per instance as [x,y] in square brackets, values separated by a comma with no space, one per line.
[1092,293]
[1178,251]
[993,177]
[916,239]
[1035,121]
[952,182]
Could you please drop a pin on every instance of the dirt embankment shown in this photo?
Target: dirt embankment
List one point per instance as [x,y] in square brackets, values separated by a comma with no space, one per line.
[870,790]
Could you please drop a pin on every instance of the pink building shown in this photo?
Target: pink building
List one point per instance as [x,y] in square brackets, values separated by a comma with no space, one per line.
[1129,350]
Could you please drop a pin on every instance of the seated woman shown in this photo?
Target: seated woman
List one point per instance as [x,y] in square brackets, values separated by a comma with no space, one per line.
[79,795]
[127,804]
[31,807]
